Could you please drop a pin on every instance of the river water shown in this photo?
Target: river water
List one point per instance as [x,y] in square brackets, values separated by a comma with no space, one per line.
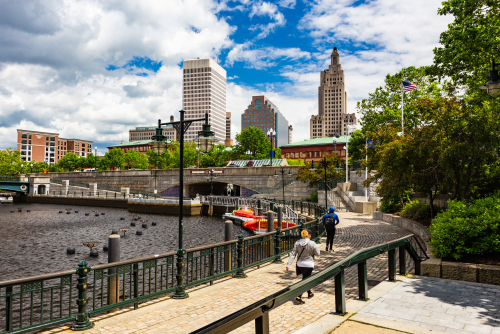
[34,243]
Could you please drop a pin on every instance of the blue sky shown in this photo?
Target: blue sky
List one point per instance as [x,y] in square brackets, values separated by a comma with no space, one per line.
[94,70]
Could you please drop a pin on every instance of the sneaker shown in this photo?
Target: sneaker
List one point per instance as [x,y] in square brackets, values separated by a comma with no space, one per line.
[310,295]
[326,249]
[299,300]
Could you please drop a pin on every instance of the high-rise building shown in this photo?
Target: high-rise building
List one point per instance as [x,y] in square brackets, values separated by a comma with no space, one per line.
[264,114]
[332,115]
[228,141]
[290,129]
[204,91]
[48,146]
[146,132]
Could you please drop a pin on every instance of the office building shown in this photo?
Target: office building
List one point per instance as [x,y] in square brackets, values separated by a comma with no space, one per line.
[48,146]
[228,142]
[146,132]
[332,115]
[263,114]
[204,91]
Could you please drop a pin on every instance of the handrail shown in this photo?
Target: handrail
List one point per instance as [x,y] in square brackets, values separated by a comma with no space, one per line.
[346,198]
[259,311]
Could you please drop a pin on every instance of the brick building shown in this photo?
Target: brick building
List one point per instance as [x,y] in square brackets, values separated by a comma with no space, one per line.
[264,114]
[48,146]
[314,149]
[141,146]
[332,115]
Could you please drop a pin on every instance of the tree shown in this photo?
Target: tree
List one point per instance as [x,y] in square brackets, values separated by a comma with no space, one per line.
[384,105]
[10,161]
[69,162]
[218,156]
[134,159]
[253,140]
[469,43]
[316,177]
[357,143]
[113,159]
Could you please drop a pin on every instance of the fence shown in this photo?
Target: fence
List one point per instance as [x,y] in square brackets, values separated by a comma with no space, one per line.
[259,311]
[9,178]
[37,302]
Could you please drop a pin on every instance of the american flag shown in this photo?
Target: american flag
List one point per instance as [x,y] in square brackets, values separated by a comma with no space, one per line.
[408,86]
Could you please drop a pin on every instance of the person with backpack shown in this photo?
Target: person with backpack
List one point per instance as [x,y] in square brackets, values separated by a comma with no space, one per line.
[330,220]
[306,250]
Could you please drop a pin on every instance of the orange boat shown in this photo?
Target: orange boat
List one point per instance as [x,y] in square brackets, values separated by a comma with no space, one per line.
[244,213]
[262,224]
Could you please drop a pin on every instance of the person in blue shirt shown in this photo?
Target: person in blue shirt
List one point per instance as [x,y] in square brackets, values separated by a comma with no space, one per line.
[330,220]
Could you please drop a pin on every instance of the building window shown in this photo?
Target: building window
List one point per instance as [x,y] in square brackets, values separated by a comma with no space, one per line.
[52,144]
[23,147]
[30,136]
[308,154]
[24,141]
[24,135]
[52,138]
[258,104]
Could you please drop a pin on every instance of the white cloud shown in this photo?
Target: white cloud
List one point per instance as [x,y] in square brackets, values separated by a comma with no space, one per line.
[287,3]
[263,57]
[270,10]
[54,56]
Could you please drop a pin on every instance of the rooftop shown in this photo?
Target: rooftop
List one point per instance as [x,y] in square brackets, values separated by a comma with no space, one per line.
[136,143]
[318,141]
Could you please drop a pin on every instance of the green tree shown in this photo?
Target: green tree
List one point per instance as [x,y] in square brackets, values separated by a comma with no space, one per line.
[469,43]
[113,159]
[218,156]
[357,143]
[253,140]
[10,161]
[384,105]
[134,159]
[69,162]
[334,171]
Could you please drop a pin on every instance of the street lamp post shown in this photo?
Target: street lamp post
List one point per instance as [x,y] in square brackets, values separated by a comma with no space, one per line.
[271,134]
[282,180]
[325,163]
[248,153]
[31,166]
[198,153]
[213,176]
[159,142]
[346,147]
[95,159]
[492,82]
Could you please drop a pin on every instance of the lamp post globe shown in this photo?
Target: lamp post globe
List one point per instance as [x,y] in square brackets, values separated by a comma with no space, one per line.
[206,137]
[492,82]
[31,166]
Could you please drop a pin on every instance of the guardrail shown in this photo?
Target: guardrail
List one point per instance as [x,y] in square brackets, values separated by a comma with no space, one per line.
[259,311]
[37,302]
[9,178]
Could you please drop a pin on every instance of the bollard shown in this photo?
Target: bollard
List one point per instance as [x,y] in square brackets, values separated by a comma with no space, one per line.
[113,281]
[280,216]
[270,221]
[228,236]
[239,247]
[82,317]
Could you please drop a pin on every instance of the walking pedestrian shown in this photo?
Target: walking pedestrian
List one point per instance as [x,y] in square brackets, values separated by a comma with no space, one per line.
[330,220]
[306,250]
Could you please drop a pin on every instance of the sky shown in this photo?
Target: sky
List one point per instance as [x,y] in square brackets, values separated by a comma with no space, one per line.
[95,69]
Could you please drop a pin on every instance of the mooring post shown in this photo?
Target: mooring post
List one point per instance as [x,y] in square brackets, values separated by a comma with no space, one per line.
[82,318]
[228,236]
[113,281]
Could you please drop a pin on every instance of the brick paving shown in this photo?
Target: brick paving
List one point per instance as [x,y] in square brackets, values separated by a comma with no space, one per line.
[207,304]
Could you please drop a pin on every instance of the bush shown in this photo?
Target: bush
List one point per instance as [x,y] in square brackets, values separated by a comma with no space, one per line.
[390,205]
[416,210]
[312,198]
[295,162]
[467,229]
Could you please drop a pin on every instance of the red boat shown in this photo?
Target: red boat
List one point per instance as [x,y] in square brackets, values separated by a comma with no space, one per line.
[261,224]
[244,213]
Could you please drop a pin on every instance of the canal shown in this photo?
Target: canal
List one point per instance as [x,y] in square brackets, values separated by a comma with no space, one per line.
[35,242]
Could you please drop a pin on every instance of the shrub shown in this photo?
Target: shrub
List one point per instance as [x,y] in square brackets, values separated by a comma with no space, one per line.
[312,198]
[467,229]
[416,210]
[295,162]
[390,205]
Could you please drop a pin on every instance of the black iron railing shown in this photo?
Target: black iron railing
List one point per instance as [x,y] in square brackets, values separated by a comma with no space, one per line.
[259,311]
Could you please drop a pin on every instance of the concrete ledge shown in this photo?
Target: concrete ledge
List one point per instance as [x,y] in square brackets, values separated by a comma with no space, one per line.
[459,271]
[365,207]
[414,227]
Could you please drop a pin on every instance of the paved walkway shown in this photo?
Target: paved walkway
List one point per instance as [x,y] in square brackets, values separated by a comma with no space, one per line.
[207,304]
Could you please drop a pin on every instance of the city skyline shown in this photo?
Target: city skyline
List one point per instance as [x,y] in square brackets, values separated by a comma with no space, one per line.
[94,71]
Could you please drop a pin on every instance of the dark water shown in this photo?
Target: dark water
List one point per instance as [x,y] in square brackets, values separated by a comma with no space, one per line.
[34,243]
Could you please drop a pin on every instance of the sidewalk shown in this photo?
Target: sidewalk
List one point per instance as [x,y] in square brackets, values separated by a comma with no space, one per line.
[419,305]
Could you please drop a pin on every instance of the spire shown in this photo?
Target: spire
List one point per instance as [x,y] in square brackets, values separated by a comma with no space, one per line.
[335,56]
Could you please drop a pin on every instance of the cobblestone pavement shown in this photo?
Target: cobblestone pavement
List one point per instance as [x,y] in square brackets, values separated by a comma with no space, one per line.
[441,305]
[207,304]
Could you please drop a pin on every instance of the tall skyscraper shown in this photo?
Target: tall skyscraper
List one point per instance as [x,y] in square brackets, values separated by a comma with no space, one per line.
[290,129]
[264,114]
[228,142]
[204,90]
[332,115]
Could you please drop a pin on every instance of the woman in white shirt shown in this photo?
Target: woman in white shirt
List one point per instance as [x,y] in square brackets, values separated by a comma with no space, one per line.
[306,250]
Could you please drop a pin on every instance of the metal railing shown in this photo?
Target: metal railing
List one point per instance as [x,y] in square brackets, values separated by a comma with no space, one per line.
[347,199]
[38,302]
[259,311]
[9,178]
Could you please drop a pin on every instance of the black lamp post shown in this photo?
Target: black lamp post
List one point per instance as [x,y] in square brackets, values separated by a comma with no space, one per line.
[271,134]
[181,127]
[31,166]
[282,179]
[325,163]
[206,137]
[492,82]
[213,176]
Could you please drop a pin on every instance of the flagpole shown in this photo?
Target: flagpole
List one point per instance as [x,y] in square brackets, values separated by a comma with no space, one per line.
[402,108]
